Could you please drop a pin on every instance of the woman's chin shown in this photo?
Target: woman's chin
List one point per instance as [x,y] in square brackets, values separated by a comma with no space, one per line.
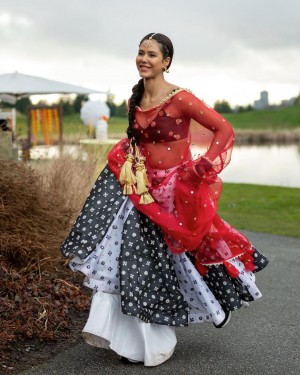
[144,74]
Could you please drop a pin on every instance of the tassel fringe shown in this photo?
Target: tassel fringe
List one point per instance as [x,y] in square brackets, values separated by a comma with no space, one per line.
[127,177]
[141,176]
[135,183]
[146,198]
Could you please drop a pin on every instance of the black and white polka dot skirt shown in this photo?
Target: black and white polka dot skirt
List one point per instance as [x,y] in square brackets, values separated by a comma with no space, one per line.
[122,252]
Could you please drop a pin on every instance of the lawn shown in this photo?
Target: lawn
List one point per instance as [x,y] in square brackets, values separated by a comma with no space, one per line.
[258,208]
[276,119]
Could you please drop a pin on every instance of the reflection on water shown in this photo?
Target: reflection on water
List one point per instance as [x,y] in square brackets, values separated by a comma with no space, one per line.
[277,165]
[53,152]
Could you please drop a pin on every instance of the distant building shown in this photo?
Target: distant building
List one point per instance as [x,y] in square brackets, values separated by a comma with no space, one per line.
[263,102]
[288,102]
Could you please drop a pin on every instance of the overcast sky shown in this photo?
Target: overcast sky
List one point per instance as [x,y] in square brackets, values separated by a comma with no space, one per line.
[229,49]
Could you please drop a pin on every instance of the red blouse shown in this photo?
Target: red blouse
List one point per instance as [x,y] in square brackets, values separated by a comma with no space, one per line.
[175,135]
[163,127]
[183,123]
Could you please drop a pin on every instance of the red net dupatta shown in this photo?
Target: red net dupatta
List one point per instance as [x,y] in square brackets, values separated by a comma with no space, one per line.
[190,222]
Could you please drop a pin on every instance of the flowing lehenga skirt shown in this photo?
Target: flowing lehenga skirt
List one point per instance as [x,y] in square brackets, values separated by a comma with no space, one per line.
[141,291]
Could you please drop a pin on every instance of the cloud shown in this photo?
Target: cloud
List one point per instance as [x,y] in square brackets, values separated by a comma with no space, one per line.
[200,29]
[7,21]
[247,41]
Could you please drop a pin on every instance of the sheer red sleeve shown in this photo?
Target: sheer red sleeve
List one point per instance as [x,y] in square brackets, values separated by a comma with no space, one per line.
[211,135]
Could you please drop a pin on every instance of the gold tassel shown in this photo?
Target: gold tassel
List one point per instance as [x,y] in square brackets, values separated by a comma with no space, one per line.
[142,179]
[141,176]
[146,198]
[127,177]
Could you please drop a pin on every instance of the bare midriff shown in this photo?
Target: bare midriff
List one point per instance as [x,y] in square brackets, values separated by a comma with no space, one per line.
[168,154]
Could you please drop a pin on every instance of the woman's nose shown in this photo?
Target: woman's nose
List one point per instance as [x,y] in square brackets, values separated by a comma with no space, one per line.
[143,58]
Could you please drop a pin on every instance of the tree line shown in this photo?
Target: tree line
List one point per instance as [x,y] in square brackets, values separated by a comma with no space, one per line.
[222,106]
[70,105]
[73,105]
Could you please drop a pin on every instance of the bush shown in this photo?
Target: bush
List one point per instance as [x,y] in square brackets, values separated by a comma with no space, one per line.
[39,299]
[37,208]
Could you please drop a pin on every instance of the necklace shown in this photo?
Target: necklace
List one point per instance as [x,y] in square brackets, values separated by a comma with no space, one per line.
[165,99]
[172,93]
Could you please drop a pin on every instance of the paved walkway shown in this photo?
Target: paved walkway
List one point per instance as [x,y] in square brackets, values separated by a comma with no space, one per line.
[263,339]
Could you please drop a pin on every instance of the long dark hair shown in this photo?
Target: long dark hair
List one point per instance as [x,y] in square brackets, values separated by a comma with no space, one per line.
[167,50]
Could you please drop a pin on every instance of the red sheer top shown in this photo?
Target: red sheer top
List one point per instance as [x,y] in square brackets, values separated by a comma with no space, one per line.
[176,136]
[180,127]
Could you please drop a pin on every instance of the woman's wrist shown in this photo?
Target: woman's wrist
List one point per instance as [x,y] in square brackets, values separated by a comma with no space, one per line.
[206,157]
[202,166]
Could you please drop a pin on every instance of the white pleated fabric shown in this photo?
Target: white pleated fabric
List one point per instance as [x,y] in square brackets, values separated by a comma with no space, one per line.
[107,327]
[204,307]
[247,278]
[101,267]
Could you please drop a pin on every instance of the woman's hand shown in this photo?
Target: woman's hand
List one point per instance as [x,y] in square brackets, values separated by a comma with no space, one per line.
[202,166]
[192,172]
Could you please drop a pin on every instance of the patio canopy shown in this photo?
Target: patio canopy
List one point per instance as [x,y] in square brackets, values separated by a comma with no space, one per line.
[14,86]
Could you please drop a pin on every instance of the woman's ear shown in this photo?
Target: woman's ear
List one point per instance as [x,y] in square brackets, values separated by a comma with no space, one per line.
[166,62]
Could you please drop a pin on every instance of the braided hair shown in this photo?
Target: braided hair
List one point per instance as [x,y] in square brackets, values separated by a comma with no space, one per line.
[167,50]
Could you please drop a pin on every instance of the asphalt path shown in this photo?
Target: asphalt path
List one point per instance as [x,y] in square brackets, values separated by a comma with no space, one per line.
[261,339]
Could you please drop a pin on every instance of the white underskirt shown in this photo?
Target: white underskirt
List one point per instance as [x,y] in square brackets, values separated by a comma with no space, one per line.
[107,327]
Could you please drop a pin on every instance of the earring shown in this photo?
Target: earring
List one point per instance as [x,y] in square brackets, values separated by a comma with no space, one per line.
[166,70]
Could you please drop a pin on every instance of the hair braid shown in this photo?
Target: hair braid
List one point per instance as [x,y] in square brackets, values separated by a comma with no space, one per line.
[135,99]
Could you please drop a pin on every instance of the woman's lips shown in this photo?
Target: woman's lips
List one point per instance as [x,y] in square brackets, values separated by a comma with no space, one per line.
[144,67]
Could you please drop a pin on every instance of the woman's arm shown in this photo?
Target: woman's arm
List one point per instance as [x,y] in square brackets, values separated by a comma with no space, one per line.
[197,110]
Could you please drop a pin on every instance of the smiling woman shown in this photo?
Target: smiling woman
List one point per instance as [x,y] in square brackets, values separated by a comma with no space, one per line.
[152,58]
[149,239]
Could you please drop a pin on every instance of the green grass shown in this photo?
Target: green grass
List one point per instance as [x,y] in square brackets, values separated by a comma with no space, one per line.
[72,124]
[276,119]
[117,125]
[266,209]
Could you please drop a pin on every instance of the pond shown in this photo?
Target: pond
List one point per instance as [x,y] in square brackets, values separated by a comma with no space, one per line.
[277,165]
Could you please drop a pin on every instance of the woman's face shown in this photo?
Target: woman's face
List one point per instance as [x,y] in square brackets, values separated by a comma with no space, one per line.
[149,60]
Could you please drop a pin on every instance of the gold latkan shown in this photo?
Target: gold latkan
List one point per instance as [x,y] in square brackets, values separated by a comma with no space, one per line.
[135,183]
[127,177]
[142,179]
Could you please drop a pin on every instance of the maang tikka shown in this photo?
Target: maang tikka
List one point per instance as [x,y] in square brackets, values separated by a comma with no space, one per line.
[147,42]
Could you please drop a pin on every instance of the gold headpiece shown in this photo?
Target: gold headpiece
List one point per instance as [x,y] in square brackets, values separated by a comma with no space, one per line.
[147,42]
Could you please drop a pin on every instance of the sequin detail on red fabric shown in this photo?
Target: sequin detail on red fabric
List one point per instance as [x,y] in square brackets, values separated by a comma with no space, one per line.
[163,128]
[186,210]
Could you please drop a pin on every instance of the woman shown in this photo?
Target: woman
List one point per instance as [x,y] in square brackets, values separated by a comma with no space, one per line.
[148,238]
